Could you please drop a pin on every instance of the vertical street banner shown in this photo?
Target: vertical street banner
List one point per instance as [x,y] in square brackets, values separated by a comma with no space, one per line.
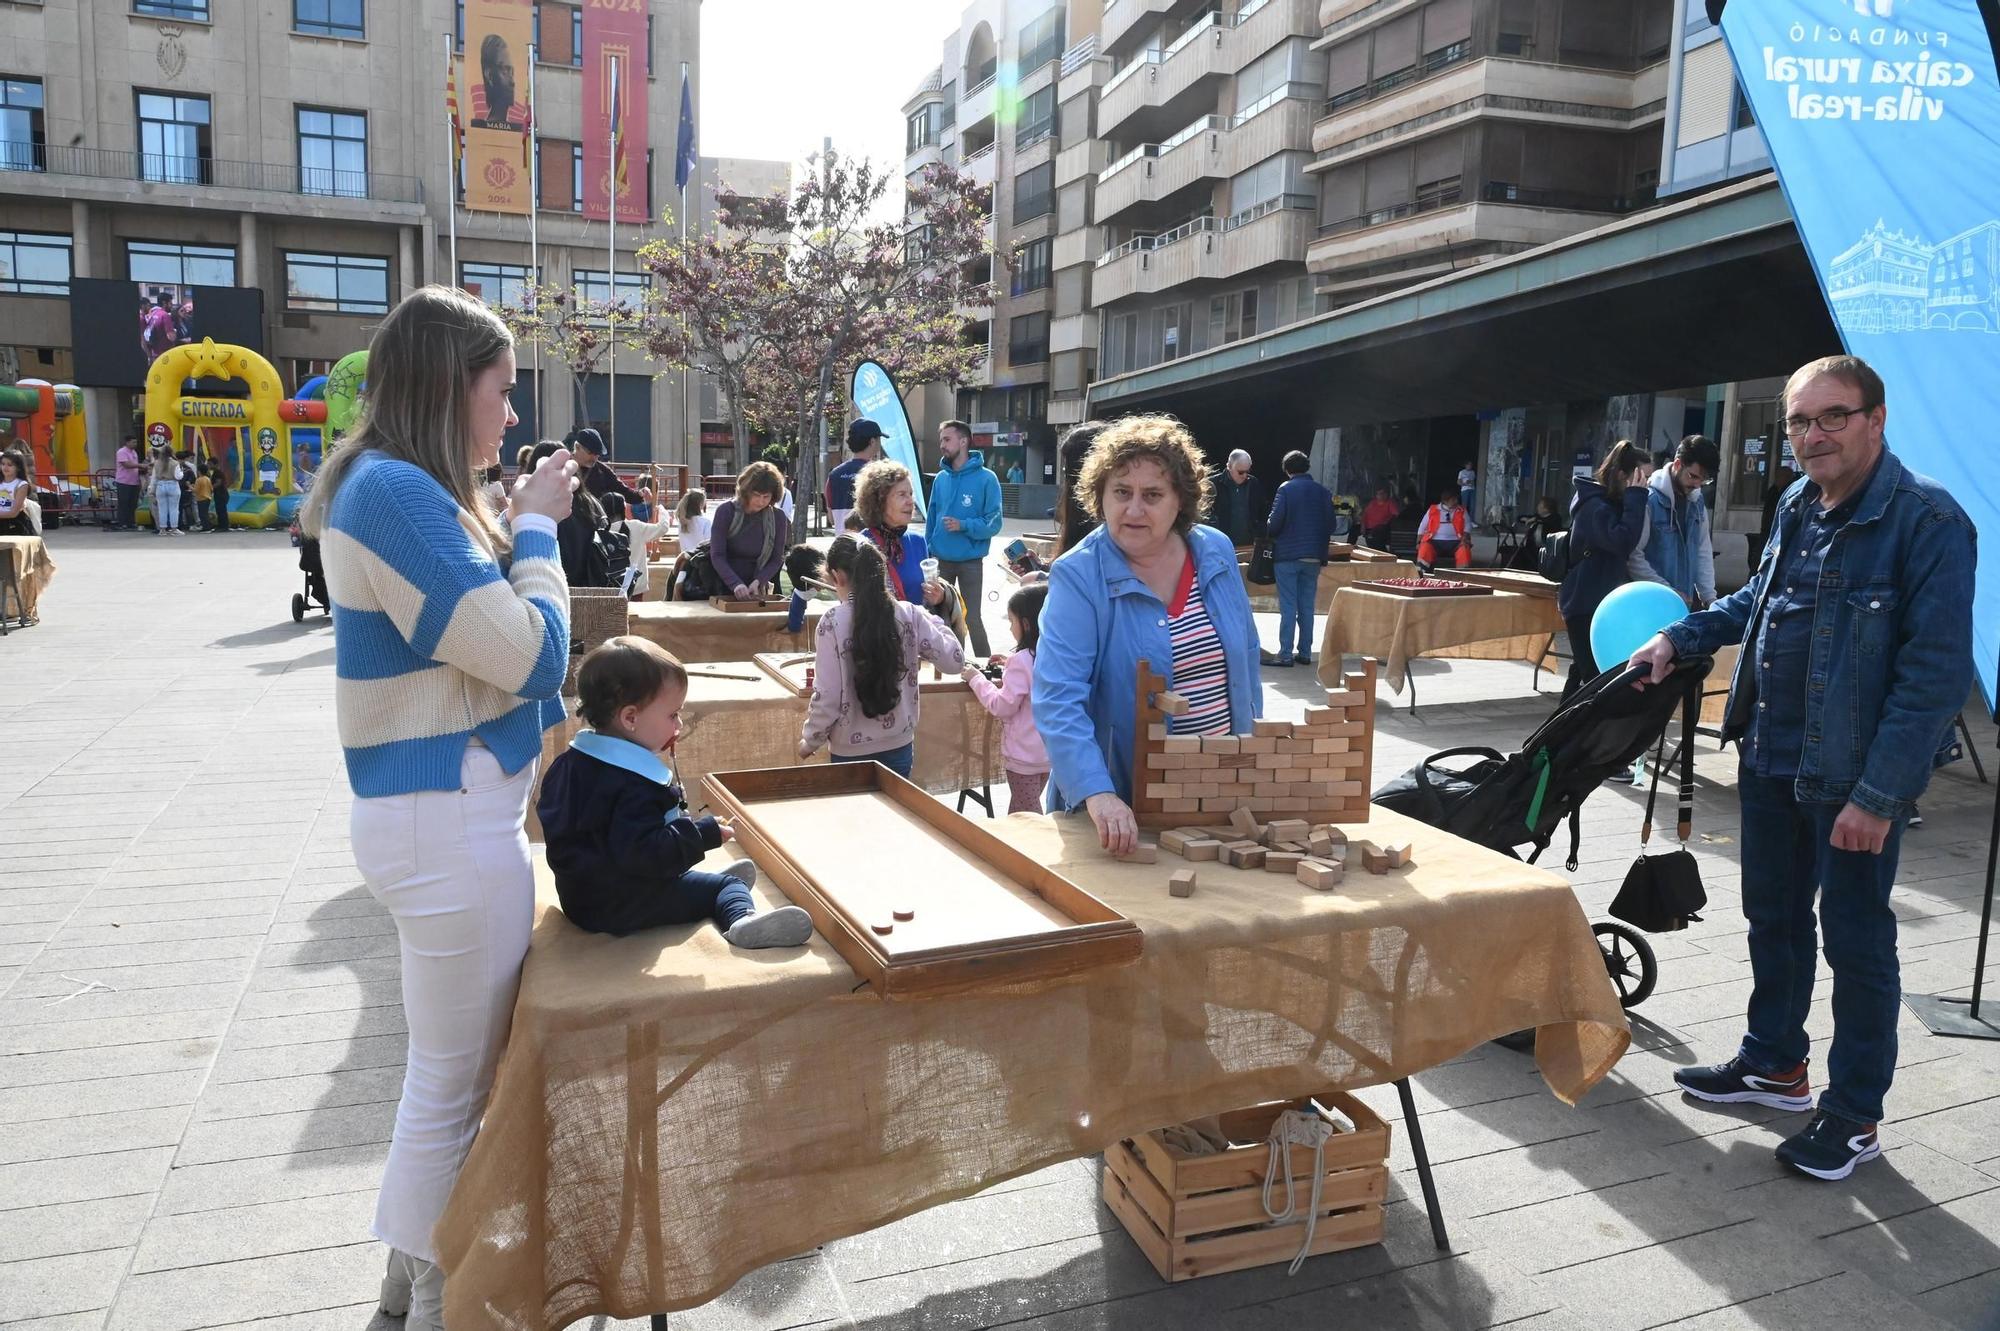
[875,395]
[614,30]
[1883,120]
[500,124]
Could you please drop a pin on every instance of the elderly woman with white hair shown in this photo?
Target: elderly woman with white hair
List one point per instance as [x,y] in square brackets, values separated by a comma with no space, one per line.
[1241,504]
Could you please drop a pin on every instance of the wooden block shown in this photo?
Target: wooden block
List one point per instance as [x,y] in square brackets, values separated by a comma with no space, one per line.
[1373,858]
[1223,744]
[1359,683]
[1331,744]
[1203,790]
[1175,841]
[1158,762]
[1245,822]
[1320,844]
[1143,853]
[1347,698]
[1181,744]
[883,926]
[1346,729]
[1236,762]
[1220,804]
[1181,883]
[1243,857]
[1290,847]
[1340,790]
[905,912]
[1158,733]
[1291,829]
[1281,861]
[1271,762]
[1319,875]
[1180,806]
[1271,729]
[1257,744]
[1173,704]
[1205,849]
[1316,716]
[1295,746]
[1398,854]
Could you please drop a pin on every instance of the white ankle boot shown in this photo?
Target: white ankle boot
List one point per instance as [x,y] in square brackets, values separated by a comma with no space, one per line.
[396,1283]
[413,1290]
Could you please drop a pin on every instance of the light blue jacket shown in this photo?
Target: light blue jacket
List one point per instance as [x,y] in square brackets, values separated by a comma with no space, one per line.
[1674,545]
[972,495]
[1099,622]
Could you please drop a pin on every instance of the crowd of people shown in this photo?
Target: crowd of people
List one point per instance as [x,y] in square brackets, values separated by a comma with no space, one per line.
[183,490]
[454,643]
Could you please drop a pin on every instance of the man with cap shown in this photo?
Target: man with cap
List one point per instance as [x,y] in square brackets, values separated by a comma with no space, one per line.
[864,444]
[587,446]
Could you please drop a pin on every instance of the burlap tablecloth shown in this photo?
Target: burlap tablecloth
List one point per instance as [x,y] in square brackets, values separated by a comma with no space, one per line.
[697,631]
[740,724]
[1332,577]
[1506,626]
[32,569]
[671,1114]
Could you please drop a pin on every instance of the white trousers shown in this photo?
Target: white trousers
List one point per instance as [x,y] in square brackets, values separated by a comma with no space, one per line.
[452,868]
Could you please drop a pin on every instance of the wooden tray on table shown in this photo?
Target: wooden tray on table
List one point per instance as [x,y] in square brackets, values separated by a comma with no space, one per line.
[855,845]
[730,605]
[789,669]
[1422,588]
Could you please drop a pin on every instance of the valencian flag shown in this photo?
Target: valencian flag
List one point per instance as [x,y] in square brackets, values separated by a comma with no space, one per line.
[457,128]
[614,36]
[1883,120]
[499,134]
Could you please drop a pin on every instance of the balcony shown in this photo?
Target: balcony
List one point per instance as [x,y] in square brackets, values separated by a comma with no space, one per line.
[923,155]
[1154,172]
[1156,263]
[1126,21]
[1499,218]
[1340,18]
[1081,160]
[1072,332]
[1162,87]
[976,103]
[1082,68]
[344,191]
[980,166]
[1082,245]
[1457,86]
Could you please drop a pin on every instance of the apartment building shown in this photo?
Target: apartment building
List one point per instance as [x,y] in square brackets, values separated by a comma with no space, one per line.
[1457,131]
[298,149]
[1013,92]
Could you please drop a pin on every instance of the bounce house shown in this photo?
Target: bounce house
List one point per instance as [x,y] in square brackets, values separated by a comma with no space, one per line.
[253,436]
[50,418]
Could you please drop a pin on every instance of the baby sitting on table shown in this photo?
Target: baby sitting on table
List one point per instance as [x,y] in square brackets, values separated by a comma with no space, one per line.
[620,840]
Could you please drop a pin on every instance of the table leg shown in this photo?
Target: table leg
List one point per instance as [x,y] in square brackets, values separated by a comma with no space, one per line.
[1424,1179]
[659,1322]
[1410,683]
[983,797]
[1971,748]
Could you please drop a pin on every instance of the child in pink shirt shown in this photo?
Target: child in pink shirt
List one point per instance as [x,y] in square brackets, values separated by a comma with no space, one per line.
[1021,751]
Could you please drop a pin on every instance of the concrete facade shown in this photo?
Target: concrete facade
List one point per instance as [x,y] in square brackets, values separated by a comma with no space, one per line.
[255,68]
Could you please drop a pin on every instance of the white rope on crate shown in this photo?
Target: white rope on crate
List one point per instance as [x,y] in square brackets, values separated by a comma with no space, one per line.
[1296,1127]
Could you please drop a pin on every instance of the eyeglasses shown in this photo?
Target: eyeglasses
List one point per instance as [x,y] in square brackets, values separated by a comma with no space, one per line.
[1833,421]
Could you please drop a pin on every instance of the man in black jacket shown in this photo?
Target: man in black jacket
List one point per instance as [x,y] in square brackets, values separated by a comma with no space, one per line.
[1241,506]
[587,445]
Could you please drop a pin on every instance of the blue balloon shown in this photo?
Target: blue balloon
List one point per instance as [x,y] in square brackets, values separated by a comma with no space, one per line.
[1630,616]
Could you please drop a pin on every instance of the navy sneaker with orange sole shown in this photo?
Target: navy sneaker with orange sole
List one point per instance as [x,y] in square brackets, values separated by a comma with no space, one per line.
[1830,1147]
[1737,1083]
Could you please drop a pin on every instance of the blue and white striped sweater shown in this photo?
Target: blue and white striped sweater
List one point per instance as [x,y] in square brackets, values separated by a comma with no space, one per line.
[434,641]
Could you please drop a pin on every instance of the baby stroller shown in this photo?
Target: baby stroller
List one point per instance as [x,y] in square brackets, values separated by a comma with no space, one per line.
[315,589]
[1506,801]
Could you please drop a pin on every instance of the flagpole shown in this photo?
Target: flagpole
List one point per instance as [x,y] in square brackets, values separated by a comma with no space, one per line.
[611,265]
[687,405]
[451,158]
[534,225]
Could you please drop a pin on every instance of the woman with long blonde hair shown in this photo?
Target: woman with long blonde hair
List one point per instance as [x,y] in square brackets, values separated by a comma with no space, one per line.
[451,639]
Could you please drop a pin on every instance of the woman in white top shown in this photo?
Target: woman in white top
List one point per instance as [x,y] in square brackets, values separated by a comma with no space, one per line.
[692,513]
[15,492]
[166,491]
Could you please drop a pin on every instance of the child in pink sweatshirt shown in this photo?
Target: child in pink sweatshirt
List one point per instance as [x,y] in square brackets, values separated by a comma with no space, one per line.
[1021,751]
[870,647]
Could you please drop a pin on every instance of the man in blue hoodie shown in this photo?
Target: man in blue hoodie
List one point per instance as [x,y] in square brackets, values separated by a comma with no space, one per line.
[964,518]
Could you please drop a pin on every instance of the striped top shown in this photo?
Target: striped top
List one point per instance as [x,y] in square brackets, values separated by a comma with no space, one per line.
[1201,670]
[435,642]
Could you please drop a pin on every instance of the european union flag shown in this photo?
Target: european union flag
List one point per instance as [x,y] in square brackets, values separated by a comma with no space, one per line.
[685,157]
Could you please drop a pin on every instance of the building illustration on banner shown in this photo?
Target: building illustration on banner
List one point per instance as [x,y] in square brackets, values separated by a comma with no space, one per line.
[1893,282]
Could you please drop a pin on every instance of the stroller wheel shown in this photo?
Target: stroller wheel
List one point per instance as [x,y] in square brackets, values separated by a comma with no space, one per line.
[298,608]
[1629,960]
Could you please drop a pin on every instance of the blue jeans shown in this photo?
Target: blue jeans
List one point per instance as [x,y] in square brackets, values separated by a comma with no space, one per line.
[689,898]
[899,761]
[1787,862]
[1298,585]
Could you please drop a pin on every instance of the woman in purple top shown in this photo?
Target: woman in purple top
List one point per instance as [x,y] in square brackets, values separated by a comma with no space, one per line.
[749,536]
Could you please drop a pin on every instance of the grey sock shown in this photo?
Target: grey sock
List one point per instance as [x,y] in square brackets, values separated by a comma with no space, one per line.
[787,926]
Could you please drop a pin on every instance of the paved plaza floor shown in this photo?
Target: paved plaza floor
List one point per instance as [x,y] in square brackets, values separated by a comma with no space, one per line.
[201,1046]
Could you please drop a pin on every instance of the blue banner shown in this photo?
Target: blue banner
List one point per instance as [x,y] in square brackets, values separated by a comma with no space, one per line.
[874,395]
[1883,119]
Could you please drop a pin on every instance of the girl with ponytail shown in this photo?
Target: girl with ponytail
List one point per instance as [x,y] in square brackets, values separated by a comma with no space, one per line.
[1606,517]
[870,649]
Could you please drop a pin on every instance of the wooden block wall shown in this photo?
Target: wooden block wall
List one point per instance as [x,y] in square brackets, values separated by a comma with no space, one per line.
[1319,770]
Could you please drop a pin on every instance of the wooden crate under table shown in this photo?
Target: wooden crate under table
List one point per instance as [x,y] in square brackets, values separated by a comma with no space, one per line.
[1201,1215]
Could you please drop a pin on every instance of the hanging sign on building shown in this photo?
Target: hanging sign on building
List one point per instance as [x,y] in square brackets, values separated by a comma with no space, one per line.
[499,127]
[614,30]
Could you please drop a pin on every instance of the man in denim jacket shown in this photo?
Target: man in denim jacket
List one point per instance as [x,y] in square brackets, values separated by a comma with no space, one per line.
[1857,654]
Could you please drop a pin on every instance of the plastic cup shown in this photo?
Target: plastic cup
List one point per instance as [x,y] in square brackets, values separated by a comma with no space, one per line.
[930,567]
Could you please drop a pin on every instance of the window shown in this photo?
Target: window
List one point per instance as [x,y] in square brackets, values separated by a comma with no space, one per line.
[496,283]
[34,263]
[1026,405]
[1038,118]
[333,152]
[1232,316]
[1027,339]
[331,18]
[576,37]
[173,138]
[23,146]
[1031,273]
[1041,41]
[181,265]
[576,177]
[925,128]
[1035,192]
[194,9]
[337,283]
[590,286]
